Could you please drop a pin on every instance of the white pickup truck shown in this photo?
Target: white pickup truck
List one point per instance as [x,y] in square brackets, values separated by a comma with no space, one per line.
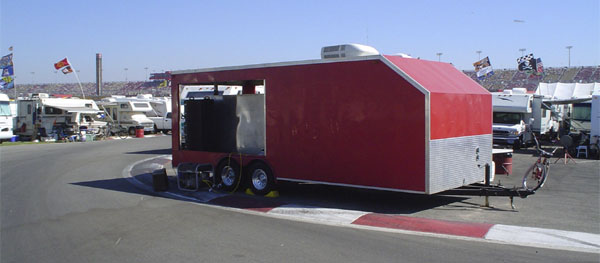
[162,124]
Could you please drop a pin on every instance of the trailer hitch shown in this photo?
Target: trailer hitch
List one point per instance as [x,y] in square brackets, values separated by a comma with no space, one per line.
[487,189]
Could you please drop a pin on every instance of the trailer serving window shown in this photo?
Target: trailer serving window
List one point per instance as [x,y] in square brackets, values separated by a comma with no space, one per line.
[226,117]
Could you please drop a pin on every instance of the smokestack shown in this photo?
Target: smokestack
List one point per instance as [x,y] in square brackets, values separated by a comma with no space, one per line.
[99,74]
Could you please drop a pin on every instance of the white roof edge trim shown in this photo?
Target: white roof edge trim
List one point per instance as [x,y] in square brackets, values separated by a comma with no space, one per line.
[405,76]
[278,64]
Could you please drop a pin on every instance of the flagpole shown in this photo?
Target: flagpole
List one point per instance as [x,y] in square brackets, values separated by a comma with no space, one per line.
[77,76]
[14,82]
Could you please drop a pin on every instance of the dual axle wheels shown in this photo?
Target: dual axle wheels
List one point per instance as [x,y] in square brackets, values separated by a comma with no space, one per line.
[257,176]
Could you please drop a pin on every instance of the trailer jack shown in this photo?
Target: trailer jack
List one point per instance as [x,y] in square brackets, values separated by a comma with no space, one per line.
[486,189]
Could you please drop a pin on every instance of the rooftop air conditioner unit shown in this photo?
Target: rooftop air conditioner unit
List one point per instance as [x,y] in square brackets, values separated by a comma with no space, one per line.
[347,50]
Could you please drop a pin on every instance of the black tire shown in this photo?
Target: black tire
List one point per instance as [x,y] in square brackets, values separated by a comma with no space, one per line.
[132,131]
[156,130]
[517,145]
[260,178]
[535,177]
[227,175]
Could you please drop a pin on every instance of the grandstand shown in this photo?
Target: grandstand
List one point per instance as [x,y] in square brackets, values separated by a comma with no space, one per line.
[502,79]
[130,88]
[512,78]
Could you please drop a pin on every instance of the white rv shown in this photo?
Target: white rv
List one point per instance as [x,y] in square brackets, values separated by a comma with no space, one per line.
[127,113]
[160,113]
[518,115]
[40,116]
[6,119]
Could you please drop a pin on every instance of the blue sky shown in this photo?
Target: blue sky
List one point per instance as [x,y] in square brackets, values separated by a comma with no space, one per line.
[171,35]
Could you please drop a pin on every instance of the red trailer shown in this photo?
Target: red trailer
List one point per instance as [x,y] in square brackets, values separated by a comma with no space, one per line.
[378,122]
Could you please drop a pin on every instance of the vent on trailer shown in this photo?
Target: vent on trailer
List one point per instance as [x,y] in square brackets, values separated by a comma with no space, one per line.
[347,50]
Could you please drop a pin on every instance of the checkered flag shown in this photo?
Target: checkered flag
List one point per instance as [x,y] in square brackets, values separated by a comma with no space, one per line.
[527,63]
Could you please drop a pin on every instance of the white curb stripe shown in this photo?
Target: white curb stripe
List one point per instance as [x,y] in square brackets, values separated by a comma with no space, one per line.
[332,215]
[543,237]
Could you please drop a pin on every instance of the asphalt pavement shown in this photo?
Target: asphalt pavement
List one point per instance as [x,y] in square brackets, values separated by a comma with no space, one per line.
[71,203]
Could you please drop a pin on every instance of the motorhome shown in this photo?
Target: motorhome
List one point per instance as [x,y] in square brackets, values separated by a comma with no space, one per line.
[6,119]
[41,116]
[584,126]
[127,113]
[160,113]
[519,115]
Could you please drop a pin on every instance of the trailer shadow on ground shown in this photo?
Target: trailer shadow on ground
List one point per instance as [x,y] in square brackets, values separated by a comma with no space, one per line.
[153,152]
[376,201]
[116,184]
[298,194]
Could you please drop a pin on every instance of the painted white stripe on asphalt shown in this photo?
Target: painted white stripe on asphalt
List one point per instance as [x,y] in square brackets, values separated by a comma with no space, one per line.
[318,214]
[543,237]
[197,196]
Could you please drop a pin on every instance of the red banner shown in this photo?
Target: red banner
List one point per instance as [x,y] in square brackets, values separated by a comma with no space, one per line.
[61,64]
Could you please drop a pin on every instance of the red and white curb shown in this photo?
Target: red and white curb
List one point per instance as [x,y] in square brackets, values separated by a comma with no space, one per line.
[506,234]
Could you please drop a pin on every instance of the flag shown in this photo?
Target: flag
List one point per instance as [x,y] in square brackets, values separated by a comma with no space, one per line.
[527,63]
[483,68]
[7,83]
[163,84]
[8,71]
[61,64]
[67,70]
[6,61]
[540,66]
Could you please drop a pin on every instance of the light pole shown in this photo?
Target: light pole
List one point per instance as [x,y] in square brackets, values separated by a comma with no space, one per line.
[125,73]
[32,77]
[522,51]
[569,49]
[439,56]
[478,54]
[146,76]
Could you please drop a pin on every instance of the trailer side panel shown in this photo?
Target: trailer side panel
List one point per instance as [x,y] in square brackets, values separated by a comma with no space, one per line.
[351,123]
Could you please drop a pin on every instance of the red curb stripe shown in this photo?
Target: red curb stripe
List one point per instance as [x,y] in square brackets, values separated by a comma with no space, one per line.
[424,225]
[244,202]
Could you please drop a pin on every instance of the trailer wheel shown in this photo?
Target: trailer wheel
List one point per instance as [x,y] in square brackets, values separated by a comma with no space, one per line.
[227,175]
[132,131]
[260,178]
